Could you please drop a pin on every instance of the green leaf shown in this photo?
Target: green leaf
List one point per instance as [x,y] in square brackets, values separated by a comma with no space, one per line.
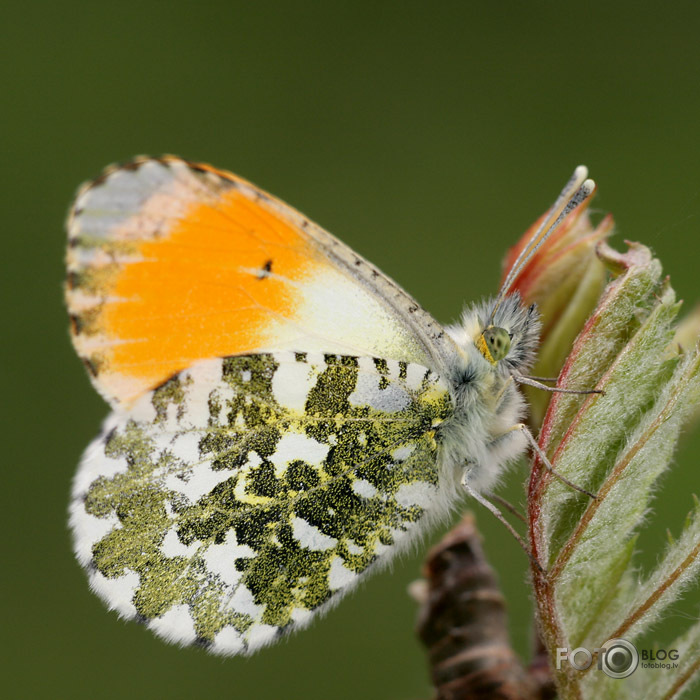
[615,445]
[671,683]
[633,611]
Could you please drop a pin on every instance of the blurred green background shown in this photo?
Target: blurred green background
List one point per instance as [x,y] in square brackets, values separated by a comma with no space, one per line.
[426,135]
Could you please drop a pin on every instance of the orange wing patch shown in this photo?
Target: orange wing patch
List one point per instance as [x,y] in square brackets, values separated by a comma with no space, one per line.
[180,268]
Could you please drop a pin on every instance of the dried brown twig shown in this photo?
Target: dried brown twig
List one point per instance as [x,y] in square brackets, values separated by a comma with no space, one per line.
[463,624]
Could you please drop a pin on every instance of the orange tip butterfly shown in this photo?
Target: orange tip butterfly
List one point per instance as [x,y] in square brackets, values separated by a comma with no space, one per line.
[285,418]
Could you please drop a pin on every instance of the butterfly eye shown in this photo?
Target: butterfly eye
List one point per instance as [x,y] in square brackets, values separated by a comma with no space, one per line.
[497,341]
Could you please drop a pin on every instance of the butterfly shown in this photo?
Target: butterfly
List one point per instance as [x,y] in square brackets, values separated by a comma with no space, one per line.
[285,418]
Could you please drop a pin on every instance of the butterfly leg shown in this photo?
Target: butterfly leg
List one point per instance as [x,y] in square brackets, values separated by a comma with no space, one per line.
[499,515]
[545,461]
[506,504]
[537,383]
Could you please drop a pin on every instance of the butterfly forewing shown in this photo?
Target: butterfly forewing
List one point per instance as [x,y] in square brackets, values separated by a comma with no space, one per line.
[246,494]
[171,262]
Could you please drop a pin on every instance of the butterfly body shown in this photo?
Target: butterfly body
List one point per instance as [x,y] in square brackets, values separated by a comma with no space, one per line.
[487,403]
[286,418]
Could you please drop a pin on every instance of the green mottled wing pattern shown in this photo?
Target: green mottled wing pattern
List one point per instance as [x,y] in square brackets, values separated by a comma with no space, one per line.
[248,493]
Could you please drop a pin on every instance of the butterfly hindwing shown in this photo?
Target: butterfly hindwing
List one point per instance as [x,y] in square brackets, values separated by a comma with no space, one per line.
[171,262]
[246,494]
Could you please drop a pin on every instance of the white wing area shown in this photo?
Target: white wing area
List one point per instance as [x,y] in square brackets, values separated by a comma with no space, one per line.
[246,495]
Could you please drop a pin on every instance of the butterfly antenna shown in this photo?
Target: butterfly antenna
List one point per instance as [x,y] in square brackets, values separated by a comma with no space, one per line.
[576,191]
